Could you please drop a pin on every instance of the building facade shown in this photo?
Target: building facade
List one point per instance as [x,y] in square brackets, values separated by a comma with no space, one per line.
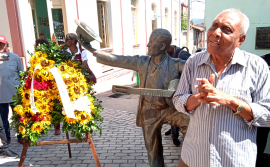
[123,25]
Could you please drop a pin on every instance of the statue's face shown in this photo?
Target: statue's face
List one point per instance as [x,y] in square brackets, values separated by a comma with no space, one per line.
[154,45]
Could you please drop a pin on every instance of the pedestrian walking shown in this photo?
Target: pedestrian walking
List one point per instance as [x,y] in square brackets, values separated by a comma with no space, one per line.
[9,73]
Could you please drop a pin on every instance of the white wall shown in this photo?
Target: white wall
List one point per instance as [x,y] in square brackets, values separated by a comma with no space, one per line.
[257,11]
[4,23]
[87,14]
[27,27]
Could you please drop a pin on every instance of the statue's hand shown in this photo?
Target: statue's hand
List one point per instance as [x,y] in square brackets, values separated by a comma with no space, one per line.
[87,46]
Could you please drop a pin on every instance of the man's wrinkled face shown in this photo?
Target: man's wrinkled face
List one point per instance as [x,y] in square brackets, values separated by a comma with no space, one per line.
[224,34]
[154,45]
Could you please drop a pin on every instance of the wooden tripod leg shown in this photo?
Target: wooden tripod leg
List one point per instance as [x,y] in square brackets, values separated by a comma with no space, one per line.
[93,150]
[22,159]
[69,151]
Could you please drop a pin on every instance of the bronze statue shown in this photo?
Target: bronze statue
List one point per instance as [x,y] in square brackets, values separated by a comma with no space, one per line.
[155,72]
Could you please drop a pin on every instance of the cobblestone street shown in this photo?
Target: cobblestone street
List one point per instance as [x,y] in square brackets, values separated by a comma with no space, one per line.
[121,144]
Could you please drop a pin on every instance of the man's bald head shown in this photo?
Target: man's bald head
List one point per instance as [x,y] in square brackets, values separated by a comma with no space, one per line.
[244,19]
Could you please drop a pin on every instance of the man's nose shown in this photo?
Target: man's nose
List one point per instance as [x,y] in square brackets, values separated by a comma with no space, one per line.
[148,45]
[217,32]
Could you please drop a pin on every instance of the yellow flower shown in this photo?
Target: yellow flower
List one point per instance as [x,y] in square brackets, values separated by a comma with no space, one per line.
[22,130]
[44,55]
[48,118]
[70,120]
[92,106]
[52,94]
[63,68]
[85,118]
[71,63]
[19,110]
[37,127]
[24,121]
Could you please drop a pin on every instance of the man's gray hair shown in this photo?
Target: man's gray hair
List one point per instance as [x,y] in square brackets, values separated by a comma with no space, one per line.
[245,20]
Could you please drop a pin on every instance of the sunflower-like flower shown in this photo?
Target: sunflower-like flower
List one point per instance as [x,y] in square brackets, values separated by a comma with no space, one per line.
[85,118]
[22,130]
[46,63]
[26,98]
[19,110]
[48,119]
[71,64]
[43,107]
[70,120]
[24,121]
[63,68]
[37,127]
[52,94]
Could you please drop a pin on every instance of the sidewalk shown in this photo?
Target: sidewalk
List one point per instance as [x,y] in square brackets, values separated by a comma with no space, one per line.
[121,145]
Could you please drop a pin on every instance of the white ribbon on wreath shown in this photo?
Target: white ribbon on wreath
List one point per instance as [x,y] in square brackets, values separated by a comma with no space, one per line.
[68,107]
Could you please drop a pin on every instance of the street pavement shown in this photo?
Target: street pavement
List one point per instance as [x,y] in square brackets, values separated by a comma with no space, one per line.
[120,145]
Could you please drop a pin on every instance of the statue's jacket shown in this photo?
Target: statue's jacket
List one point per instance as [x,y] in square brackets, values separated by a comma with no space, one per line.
[173,69]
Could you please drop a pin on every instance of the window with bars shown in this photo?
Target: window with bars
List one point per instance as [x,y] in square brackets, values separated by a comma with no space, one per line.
[103,24]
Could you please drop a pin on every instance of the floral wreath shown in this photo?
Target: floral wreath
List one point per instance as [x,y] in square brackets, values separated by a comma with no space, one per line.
[31,125]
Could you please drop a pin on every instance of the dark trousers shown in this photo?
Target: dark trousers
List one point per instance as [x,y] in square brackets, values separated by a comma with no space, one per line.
[175,132]
[152,131]
[4,111]
[3,136]
[262,135]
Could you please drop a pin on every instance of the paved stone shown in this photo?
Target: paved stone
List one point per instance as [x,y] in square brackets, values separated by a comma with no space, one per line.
[120,145]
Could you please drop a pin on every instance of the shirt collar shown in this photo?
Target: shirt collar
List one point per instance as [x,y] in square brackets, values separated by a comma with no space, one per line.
[238,57]
[205,58]
[78,52]
[163,64]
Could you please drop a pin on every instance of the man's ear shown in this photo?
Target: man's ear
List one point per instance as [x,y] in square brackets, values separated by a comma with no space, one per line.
[242,38]
[162,46]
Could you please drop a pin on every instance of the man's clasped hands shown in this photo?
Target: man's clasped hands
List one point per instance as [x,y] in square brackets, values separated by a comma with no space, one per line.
[209,94]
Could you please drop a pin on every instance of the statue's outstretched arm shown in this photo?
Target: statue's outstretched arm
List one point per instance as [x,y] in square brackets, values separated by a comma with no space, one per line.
[128,62]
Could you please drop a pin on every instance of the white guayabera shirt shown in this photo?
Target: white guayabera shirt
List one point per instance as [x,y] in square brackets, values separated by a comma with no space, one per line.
[215,136]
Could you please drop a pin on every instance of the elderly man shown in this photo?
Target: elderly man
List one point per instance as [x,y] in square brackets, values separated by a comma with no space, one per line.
[226,109]
[155,71]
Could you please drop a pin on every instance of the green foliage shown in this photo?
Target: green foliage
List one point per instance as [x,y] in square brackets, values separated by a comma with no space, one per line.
[183,21]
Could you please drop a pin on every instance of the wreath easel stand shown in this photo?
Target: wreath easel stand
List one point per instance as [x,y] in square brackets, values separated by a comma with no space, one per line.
[67,141]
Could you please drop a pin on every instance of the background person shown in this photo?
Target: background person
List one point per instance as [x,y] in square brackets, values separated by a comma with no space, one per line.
[226,108]
[176,52]
[262,133]
[40,42]
[41,36]
[4,149]
[79,54]
[9,73]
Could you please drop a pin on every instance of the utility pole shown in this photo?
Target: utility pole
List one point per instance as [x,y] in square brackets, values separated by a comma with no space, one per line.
[188,24]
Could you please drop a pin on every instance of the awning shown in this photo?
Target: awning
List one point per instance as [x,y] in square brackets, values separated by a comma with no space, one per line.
[197,27]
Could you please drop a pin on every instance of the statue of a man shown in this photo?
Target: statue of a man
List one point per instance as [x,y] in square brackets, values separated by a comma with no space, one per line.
[155,72]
